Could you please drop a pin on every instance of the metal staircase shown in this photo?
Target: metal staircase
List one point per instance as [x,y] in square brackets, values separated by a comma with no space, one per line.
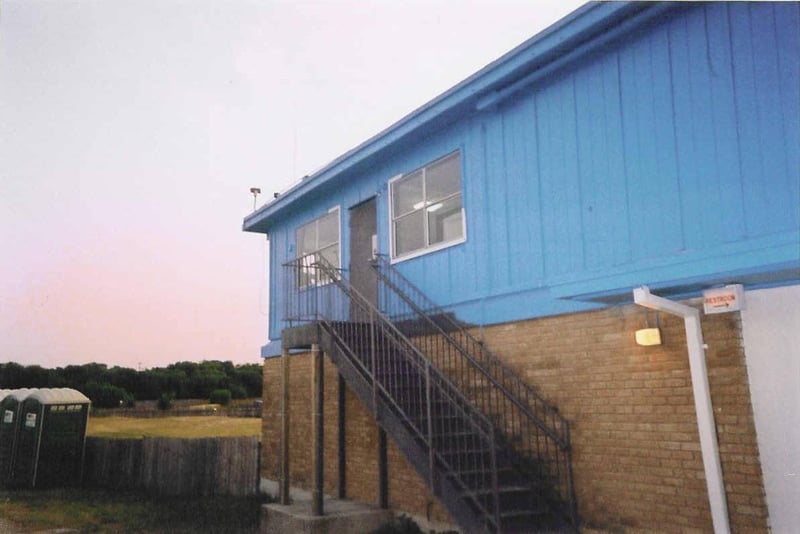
[486,456]
[532,427]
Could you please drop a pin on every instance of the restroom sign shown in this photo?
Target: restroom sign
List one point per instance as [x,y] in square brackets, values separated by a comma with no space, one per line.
[724,299]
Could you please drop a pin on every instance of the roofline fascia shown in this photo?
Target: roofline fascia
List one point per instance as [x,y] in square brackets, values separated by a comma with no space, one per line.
[565,35]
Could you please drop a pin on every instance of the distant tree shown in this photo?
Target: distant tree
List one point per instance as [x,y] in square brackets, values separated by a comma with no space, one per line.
[36,376]
[220,396]
[55,379]
[182,379]
[238,391]
[174,380]
[250,377]
[206,380]
[14,375]
[165,401]
[107,395]
[126,378]
[11,375]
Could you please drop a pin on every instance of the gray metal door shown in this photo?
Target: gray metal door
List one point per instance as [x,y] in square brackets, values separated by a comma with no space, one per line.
[363,225]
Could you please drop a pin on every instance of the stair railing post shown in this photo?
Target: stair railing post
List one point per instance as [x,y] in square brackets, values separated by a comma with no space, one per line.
[429,412]
[495,493]
[573,510]
[374,362]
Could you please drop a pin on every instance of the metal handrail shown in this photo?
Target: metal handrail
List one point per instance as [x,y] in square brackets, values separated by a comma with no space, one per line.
[470,358]
[317,292]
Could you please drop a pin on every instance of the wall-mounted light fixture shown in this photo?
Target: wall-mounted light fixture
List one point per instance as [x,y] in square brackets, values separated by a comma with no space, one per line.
[649,336]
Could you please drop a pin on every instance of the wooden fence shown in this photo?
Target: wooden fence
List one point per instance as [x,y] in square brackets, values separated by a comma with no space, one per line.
[145,411]
[173,466]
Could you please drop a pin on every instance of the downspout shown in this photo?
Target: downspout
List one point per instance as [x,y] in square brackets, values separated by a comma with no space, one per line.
[702,401]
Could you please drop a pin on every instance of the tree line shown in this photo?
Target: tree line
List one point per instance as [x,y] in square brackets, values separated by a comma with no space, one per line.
[115,386]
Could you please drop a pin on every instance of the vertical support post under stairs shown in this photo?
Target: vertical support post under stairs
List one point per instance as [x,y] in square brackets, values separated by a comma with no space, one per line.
[342,421]
[383,471]
[317,429]
[284,459]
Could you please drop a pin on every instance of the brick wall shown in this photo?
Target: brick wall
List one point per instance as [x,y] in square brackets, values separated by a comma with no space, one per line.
[406,490]
[636,451]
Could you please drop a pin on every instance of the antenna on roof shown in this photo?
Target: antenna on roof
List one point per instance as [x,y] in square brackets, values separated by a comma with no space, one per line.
[255,191]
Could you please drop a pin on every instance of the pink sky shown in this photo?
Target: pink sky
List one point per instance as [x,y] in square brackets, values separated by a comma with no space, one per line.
[131,132]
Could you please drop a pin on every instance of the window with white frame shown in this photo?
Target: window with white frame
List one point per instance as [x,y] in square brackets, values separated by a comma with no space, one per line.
[426,208]
[317,240]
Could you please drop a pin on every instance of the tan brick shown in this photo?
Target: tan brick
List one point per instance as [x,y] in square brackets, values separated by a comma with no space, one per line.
[636,451]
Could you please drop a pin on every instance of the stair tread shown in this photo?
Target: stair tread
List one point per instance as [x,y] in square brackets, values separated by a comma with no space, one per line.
[501,489]
[520,512]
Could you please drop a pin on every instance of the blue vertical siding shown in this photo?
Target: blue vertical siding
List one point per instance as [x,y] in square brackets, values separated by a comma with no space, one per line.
[653,187]
[560,201]
[673,153]
[788,48]
[496,207]
[602,168]
[525,255]
[766,93]
[726,170]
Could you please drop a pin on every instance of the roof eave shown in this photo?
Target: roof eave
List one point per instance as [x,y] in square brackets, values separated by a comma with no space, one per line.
[564,36]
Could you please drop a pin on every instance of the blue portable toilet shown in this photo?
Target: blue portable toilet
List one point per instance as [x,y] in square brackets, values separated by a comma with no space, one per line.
[10,404]
[51,435]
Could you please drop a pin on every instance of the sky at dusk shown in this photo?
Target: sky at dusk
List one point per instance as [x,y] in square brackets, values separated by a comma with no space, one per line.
[132,131]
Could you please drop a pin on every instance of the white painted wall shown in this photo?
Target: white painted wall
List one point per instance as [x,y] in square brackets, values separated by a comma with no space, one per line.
[771,327]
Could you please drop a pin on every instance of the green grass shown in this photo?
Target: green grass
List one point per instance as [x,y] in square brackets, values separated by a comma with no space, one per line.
[103,511]
[174,427]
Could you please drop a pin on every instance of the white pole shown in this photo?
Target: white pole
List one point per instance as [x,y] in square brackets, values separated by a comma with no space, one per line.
[702,401]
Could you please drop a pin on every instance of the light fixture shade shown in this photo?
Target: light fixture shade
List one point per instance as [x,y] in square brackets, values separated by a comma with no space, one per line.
[648,337]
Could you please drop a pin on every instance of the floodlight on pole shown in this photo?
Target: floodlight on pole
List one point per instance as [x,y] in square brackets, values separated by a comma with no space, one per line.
[256,191]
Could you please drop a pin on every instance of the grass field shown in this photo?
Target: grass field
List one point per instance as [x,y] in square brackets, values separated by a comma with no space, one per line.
[100,511]
[88,510]
[174,427]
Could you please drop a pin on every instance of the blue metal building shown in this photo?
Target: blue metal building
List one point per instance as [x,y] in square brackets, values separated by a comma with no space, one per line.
[628,144]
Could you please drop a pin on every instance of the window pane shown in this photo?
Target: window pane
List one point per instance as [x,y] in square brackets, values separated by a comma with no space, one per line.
[317,240]
[331,255]
[445,222]
[409,233]
[305,271]
[407,194]
[328,229]
[306,239]
[443,178]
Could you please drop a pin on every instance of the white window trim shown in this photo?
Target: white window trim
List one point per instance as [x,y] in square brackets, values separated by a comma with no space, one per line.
[432,248]
[297,256]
